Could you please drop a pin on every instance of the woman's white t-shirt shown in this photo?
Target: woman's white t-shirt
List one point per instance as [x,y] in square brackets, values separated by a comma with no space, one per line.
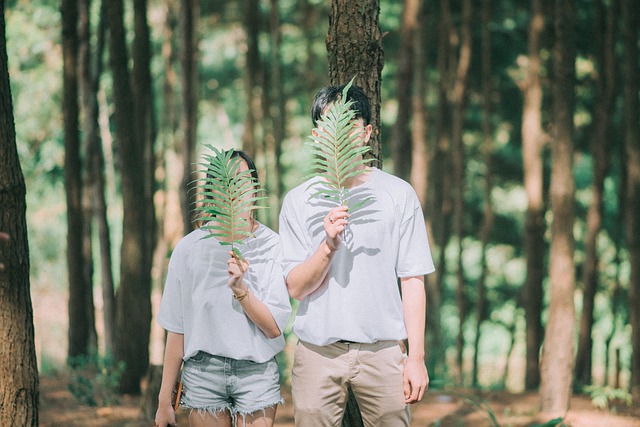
[386,238]
[197,300]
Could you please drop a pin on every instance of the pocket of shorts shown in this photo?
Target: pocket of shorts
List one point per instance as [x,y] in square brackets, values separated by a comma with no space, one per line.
[198,357]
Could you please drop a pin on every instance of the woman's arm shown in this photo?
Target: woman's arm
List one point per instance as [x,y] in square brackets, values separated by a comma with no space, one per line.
[173,354]
[255,309]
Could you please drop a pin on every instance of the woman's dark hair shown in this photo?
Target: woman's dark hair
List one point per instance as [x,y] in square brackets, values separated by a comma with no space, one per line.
[329,94]
[250,163]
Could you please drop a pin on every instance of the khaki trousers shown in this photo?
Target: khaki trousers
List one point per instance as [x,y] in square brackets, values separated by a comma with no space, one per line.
[321,375]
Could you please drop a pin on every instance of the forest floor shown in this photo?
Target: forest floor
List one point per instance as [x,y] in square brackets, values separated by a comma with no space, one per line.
[59,408]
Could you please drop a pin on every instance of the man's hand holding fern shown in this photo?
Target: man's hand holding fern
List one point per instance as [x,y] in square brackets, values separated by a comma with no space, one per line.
[334,224]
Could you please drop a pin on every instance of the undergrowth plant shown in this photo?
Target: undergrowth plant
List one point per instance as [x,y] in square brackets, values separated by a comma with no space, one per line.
[337,151]
[228,195]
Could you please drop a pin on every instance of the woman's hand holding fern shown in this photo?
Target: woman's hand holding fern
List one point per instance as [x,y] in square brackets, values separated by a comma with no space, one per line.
[236,269]
[334,224]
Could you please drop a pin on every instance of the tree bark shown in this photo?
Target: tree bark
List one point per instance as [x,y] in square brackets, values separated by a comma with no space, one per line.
[189,14]
[254,84]
[631,112]
[532,146]
[354,47]
[558,349]
[133,311]
[459,97]
[488,217]
[600,152]
[79,291]
[401,136]
[19,390]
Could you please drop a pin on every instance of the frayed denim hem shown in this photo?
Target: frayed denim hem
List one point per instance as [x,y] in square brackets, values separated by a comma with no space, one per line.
[235,413]
[243,414]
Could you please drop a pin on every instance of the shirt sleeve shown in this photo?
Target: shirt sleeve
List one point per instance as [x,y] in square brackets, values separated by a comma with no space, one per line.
[414,254]
[277,298]
[294,248]
[170,315]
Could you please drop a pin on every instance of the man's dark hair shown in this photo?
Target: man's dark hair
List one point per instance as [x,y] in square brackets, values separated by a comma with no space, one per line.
[329,94]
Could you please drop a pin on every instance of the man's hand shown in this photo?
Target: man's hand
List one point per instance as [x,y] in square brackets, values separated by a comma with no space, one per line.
[416,380]
[334,224]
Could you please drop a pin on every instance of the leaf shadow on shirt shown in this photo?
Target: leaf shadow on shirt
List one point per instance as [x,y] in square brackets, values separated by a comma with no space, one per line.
[364,214]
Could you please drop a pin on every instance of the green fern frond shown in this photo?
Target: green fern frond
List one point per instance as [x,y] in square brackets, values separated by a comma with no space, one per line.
[336,151]
[228,194]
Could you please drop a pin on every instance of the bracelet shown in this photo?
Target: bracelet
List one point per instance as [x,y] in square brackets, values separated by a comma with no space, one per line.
[241,297]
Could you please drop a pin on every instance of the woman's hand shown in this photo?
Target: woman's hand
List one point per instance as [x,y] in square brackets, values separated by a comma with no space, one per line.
[236,268]
[165,416]
[334,224]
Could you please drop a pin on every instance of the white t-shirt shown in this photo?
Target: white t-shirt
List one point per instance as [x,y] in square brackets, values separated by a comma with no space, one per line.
[197,300]
[386,238]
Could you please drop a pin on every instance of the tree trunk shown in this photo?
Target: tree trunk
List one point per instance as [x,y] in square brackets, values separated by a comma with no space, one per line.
[487,220]
[354,47]
[277,115]
[458,97]
[253,87]
[79,292]
[439,201]
[133,311]
[532,145]
[600,152]
[401,137]
[145,124]
[189,13]
[558,349]
[631,107]
[19,390]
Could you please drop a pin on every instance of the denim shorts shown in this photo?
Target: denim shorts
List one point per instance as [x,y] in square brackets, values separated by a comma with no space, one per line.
[215,384]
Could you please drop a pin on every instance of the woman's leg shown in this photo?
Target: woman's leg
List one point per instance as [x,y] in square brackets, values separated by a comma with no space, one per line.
[261,418]
[204,418]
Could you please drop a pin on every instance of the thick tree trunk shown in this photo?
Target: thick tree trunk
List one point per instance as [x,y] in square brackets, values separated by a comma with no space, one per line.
[19,390]
[401,137]
[354,47]
[488,217]
[532,145]
[133,312]
[558,349]
[601,146]
[79,291]
[189,13]
[631,106]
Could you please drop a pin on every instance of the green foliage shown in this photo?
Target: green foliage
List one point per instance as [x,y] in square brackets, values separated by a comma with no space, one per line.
[556,422]
[94,379]
[337,150]
[608,397]
[229,194]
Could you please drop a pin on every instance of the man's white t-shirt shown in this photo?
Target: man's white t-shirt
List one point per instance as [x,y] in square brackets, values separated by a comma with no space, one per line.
[386,238]
[197,300]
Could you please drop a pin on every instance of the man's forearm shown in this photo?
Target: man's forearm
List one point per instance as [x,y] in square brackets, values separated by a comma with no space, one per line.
[309,275]
[414,304]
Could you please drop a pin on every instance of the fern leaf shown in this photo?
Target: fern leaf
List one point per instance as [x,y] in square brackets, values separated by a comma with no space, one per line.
[336,152]
[228,195]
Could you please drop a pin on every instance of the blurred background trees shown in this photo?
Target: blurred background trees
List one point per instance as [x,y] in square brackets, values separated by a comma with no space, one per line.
[516,122]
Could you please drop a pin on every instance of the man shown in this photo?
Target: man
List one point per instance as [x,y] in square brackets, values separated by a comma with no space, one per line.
[343,268]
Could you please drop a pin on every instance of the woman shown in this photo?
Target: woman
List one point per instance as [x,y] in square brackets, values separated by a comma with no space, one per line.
[224,317]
